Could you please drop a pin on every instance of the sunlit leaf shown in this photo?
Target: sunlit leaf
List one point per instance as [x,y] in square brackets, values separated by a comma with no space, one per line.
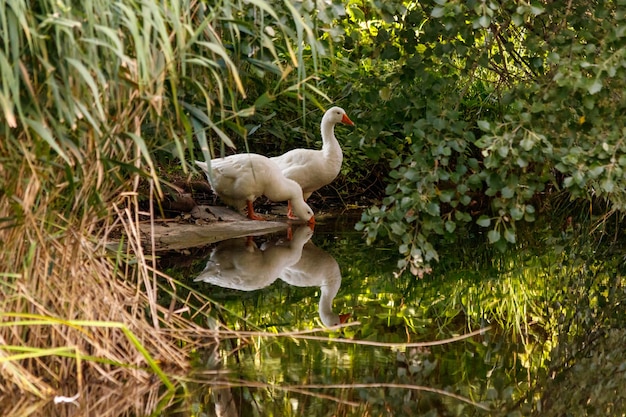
[483,221]
[484,125]
[595,87]
[493,236]
[516,213]
[608,185]
[509,235]
[437,12]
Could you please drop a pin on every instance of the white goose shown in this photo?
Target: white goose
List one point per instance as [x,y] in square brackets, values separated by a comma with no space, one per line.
[239,179]
[239,264]
[311,168]
[317,268]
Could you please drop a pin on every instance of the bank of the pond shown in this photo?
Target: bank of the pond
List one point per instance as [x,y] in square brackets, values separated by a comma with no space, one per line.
[218,223]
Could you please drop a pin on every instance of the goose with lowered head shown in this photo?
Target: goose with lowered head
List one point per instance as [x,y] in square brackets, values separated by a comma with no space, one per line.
[239,264]
[311,168]
[239,179]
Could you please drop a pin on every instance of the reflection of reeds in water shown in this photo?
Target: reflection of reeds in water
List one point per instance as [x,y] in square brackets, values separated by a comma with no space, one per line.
[232,395]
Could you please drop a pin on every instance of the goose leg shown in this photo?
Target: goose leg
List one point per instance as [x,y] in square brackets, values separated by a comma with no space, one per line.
[251,214]
[290,214]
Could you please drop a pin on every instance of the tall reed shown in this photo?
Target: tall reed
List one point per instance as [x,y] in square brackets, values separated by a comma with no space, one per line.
[88,90]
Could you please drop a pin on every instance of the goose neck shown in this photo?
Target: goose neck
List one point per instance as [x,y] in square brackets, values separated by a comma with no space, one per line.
[329,290]
[328,133]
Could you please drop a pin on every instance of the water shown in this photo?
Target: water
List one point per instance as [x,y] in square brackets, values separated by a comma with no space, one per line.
[553,311]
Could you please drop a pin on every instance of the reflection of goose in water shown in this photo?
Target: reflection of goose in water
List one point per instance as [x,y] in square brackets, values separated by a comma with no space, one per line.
[239,264]
[317,268]
[223,398]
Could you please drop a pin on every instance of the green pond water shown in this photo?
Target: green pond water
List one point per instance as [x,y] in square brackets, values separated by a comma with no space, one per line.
[552,313]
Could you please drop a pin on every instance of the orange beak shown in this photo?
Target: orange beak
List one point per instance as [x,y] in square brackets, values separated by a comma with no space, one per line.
[345,119]
[344,317]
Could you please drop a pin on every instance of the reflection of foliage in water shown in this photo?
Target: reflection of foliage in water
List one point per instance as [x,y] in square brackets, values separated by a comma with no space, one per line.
[555,308]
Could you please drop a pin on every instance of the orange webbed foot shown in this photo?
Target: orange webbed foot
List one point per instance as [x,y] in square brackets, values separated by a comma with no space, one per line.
[251,214]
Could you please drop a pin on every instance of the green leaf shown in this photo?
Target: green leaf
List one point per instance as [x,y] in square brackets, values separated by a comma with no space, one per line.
[398,228]
[450,226]
[596,171]
[608,185]
[484,125]
[357,14]
[203,117]
[484,21]
[527,143]
[437,12]
[536,9]
[516,213]
[465,199]
[200,133]
[509,235]
[385,93]
[91,82]
[433,209]
[483,221]
[507,192]
[446,196]
[493,236]
[46,135]
[462,216]
[595,87]
[265,99]
[412,175]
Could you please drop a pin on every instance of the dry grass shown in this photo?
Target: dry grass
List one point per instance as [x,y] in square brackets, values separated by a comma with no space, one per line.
[80,85]
[73,310]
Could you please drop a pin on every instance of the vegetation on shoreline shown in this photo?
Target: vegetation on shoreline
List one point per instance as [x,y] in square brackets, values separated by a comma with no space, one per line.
[471,118]
[89,92]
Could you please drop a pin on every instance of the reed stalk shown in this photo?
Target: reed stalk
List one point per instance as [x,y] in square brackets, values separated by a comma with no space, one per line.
[88,91]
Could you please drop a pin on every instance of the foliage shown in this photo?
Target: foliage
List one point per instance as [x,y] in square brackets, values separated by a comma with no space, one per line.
[484,109]
[476,111]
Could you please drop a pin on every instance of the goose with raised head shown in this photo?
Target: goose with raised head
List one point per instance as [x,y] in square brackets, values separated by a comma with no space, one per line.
[239,179]
[317,268]
[311,168]
[239,264]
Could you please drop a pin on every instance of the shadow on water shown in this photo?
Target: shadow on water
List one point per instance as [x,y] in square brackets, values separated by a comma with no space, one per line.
[554,307]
